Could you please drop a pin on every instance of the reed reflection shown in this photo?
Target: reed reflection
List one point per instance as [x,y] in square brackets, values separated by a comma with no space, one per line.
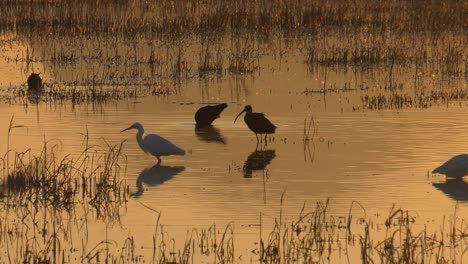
[258,160]
[209,134]
[455,189]
[155,176]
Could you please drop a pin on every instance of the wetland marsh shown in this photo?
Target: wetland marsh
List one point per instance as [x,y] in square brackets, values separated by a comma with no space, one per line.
[367,97]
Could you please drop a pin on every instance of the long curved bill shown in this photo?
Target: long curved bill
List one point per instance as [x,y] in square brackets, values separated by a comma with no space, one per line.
[126,129]
[239,115]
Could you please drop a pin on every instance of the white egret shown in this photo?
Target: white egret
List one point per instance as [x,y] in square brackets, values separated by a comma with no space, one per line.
[456,167]
[154,144]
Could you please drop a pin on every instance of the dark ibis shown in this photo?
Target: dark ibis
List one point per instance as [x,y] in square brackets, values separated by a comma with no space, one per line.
[207,114]
[257,122]
[456,167]
[34,82]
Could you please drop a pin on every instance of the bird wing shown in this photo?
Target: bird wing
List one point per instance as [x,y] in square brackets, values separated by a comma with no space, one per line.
[265,121]
[159,146]
[258,123]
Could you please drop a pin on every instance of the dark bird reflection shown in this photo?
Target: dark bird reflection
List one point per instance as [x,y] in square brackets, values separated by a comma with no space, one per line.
[209,134]
[257,160]
[155,176]
[34,96]
[457,190]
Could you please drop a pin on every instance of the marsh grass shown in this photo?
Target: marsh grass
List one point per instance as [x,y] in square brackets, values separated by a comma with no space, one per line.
[316,236]
[135,43]
[44,180]
[46,200]
[421,99]
[48,204]
[54,94]
[100,51]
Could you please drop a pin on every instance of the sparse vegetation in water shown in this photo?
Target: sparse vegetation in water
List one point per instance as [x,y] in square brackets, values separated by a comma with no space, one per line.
[405,54]
[47,204]
[54,94]
[46,201]
[144,43]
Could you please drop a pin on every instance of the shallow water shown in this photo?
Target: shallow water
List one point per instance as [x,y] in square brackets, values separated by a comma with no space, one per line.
[379,158]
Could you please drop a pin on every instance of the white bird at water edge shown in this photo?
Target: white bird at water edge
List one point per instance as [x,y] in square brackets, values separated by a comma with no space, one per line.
[154,144]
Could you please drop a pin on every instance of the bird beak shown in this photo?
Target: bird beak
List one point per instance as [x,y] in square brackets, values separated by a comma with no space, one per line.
[239,115]
[126,129]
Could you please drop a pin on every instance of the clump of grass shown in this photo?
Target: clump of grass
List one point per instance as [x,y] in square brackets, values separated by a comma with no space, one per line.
[211,59]
[46,201]
[422,99]
[77,95]
[243,57]
[316,236]
[44,180]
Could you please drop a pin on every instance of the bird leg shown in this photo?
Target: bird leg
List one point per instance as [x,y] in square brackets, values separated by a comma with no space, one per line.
[256,137]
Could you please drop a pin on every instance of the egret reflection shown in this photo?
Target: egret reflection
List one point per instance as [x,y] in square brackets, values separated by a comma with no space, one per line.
[155,176]
[209,134]
[258,160]
[456,190]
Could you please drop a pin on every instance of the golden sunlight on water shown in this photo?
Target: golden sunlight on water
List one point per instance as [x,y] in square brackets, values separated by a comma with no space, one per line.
[352,135]
[377,158]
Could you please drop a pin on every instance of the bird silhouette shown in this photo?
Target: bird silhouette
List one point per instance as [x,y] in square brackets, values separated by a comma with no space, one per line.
[34,82]
[207,114]
[154,144]
[257,122]
[155,176]
[456,167]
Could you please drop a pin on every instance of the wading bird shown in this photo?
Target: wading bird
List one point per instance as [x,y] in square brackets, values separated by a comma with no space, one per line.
[456,167]
[257,122]
[154,144]
[34,82]
[207,114]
